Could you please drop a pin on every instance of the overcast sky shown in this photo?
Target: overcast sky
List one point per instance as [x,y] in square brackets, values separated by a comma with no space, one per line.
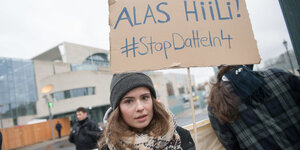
[30,27]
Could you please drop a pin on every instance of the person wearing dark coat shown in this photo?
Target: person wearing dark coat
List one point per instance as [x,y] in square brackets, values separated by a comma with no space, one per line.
[85,132]
[255,109]
[0,140]
[58,127]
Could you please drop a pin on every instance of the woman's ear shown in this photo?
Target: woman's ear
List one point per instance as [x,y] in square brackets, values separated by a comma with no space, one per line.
[158,100]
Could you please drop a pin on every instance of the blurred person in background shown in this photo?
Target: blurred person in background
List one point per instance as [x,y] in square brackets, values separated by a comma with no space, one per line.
[0,140]
[256,109]
[85,132]
[58,127]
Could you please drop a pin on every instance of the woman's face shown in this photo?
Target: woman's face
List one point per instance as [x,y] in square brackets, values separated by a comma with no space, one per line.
[137,107]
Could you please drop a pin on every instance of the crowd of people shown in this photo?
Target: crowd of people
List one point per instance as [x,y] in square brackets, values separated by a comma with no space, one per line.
[247,110]
[136,120]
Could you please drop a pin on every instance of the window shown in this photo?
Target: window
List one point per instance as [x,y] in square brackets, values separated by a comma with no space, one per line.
[73,93]
[99,59]
[79,67]
[181,90]
[67,94]
[170,89]
[58,96]
[92,62]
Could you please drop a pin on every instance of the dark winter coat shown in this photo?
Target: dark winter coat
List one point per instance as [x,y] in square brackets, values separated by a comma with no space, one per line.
[0,140]
[268,118]
[85,134]
[187,142]
[58,126]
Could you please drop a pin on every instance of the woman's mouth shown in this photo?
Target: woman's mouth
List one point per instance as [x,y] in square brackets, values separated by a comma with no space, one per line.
[141,118]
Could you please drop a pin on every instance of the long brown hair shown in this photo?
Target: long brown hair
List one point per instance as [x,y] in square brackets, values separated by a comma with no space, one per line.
[117,128]
[223,103]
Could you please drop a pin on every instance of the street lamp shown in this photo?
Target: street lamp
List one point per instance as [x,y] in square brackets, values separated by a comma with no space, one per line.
[286,47]
[45,90]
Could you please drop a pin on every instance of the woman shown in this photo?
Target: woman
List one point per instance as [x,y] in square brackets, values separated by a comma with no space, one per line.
[255,110]
[137,120]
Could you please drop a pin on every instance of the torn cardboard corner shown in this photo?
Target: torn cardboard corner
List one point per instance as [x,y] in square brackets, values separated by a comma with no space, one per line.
[153,35]
[111,2]
[175,65]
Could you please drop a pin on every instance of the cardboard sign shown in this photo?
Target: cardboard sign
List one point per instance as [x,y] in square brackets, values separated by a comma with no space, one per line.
[160,34]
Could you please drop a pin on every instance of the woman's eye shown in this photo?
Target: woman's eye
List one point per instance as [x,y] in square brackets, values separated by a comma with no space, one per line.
[128,101]
[146,97]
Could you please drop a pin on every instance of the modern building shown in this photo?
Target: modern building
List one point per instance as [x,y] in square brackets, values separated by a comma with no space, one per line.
[79,76]
[18,93]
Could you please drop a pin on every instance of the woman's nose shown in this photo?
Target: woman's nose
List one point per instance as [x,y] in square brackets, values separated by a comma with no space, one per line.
[139,106]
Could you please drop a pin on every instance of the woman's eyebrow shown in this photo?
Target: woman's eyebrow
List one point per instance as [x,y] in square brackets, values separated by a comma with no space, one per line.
[127,97]
[145,94]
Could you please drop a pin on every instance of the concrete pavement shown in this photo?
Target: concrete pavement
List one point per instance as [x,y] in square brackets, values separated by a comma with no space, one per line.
[61,144]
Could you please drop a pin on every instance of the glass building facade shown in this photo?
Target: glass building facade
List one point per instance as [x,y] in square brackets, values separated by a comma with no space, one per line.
[92,62]
[73,93]
[17,88]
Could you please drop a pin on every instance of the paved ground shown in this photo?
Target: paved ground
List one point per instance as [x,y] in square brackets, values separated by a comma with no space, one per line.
[182,119]
[57,144]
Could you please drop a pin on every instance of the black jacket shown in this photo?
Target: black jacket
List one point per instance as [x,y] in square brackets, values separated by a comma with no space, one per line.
[187,142]
[0,140]
[85,134]
[58,126]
